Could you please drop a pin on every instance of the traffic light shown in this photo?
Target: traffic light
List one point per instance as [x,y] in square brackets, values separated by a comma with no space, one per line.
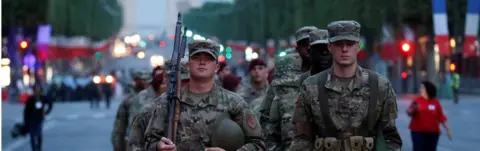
[98,55]
[404,75]
[162,44]
[452,67]
[221,58]
[406,47]
[228,54]
[23,44]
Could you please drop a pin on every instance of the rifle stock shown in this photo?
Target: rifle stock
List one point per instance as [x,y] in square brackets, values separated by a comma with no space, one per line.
[173,93]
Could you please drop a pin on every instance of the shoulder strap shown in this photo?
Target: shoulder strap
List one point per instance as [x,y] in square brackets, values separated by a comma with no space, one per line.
[329,130]
[374,98]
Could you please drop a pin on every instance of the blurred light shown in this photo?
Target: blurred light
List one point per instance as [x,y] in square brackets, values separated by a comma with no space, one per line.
[5,76]
[221,58]
[228,49]
[404,75]
[142,44]
[26,79]
[436,57]
[254,55]
[24,68]
[406,47]
[127,39]
[282,54]
[198,37]
[109,79]
[119,49]
[452,42]
[98,55]
[5,61]
[141,55]
[189,33]
[156,61]
[221,48]
[29,60]
[409,61]
[362,45]
[49,74]
[151,37]
[97,79]
[248,50]
[162,44]
[452,67]
[228,56]
[23,44]
[136,38]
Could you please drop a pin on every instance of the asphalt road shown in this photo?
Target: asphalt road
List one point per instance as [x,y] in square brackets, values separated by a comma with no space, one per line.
[75,127]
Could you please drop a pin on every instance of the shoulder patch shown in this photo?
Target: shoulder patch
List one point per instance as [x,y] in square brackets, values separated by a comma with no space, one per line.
[250,120]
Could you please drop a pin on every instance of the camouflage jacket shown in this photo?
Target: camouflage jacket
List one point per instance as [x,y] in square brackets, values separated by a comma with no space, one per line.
[253,96]
[348,107]
[143,98]
[277,107]
[136,139]
[194,127]
[121,122]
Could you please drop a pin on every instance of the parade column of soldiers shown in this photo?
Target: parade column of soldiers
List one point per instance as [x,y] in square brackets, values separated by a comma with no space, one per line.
[319,99]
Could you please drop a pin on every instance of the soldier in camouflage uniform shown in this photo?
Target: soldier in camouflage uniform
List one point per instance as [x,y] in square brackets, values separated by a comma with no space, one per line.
[201,103]
[345,107]
[136,135]
[321,57]
[287,72]
[141,78]
[254,89]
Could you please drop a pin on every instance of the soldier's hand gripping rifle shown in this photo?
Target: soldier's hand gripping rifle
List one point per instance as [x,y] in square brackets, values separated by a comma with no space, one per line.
[173,93]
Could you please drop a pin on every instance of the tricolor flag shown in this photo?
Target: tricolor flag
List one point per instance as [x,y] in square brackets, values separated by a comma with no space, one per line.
[471,28]
[271,46]
[440,26]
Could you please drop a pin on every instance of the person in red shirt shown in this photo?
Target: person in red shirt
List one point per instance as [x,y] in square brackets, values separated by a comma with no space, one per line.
[427,115]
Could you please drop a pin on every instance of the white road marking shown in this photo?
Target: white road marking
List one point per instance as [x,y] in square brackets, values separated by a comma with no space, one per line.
[99,115]
[72,117]
[21,141]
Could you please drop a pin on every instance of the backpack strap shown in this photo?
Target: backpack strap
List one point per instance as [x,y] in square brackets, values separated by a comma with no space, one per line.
[329,130]
[374,98]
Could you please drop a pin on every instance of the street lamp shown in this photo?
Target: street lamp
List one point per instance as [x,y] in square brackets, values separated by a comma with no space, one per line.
[156,61]
[141,55]
[189,33]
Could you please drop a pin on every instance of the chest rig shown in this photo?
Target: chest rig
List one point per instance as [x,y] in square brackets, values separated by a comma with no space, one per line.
[358,139]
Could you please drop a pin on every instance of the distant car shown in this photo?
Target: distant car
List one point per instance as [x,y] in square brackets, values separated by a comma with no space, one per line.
[104,79]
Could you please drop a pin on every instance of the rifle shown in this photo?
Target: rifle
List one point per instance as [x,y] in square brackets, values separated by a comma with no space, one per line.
[173,93]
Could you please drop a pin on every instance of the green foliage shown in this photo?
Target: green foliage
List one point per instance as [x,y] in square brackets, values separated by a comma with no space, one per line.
[26,13]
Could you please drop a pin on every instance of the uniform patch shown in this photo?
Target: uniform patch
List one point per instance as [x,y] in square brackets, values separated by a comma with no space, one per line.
[251,121]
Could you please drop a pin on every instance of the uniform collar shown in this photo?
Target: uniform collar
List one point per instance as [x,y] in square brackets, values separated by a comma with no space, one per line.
[360,78]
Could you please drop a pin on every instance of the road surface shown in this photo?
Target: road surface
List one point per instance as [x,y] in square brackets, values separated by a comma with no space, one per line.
[75,127]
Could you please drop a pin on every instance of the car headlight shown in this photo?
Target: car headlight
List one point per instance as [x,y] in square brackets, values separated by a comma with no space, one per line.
[96,80]
[109,79]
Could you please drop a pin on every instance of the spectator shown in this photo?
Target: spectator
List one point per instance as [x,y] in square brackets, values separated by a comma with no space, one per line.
[34,114]
[427,115]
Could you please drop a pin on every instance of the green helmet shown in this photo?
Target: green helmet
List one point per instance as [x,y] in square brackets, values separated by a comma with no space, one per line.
[184,72]
[227,134]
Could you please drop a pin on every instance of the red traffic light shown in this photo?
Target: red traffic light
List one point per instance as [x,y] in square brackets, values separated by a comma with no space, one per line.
[23,44]
[406,47]
[162,44]
[221,58]
[452,67]
[404,75]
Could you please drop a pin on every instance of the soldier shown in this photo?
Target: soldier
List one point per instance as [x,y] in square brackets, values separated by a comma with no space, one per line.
[140,121]
[321,57]
[287,72]
[346,106]
[141,78]
[201,104]
[255,88]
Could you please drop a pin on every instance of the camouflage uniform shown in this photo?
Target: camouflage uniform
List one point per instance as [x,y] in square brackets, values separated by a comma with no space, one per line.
[345,114]
[277,106]
[122,120]
[136,140]
[253,96]
[197,113]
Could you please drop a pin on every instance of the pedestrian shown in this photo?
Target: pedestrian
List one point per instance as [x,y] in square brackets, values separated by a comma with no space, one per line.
[37,107]
[202,102]
[427,115]
[223,71]
[345,107]
[455,86]
[121,124]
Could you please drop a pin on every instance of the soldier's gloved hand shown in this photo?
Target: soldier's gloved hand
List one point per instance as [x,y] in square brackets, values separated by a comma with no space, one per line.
[166,144]
[214,149]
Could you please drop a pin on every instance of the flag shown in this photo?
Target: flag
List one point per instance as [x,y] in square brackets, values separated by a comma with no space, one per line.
[471,28]
[441,26]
